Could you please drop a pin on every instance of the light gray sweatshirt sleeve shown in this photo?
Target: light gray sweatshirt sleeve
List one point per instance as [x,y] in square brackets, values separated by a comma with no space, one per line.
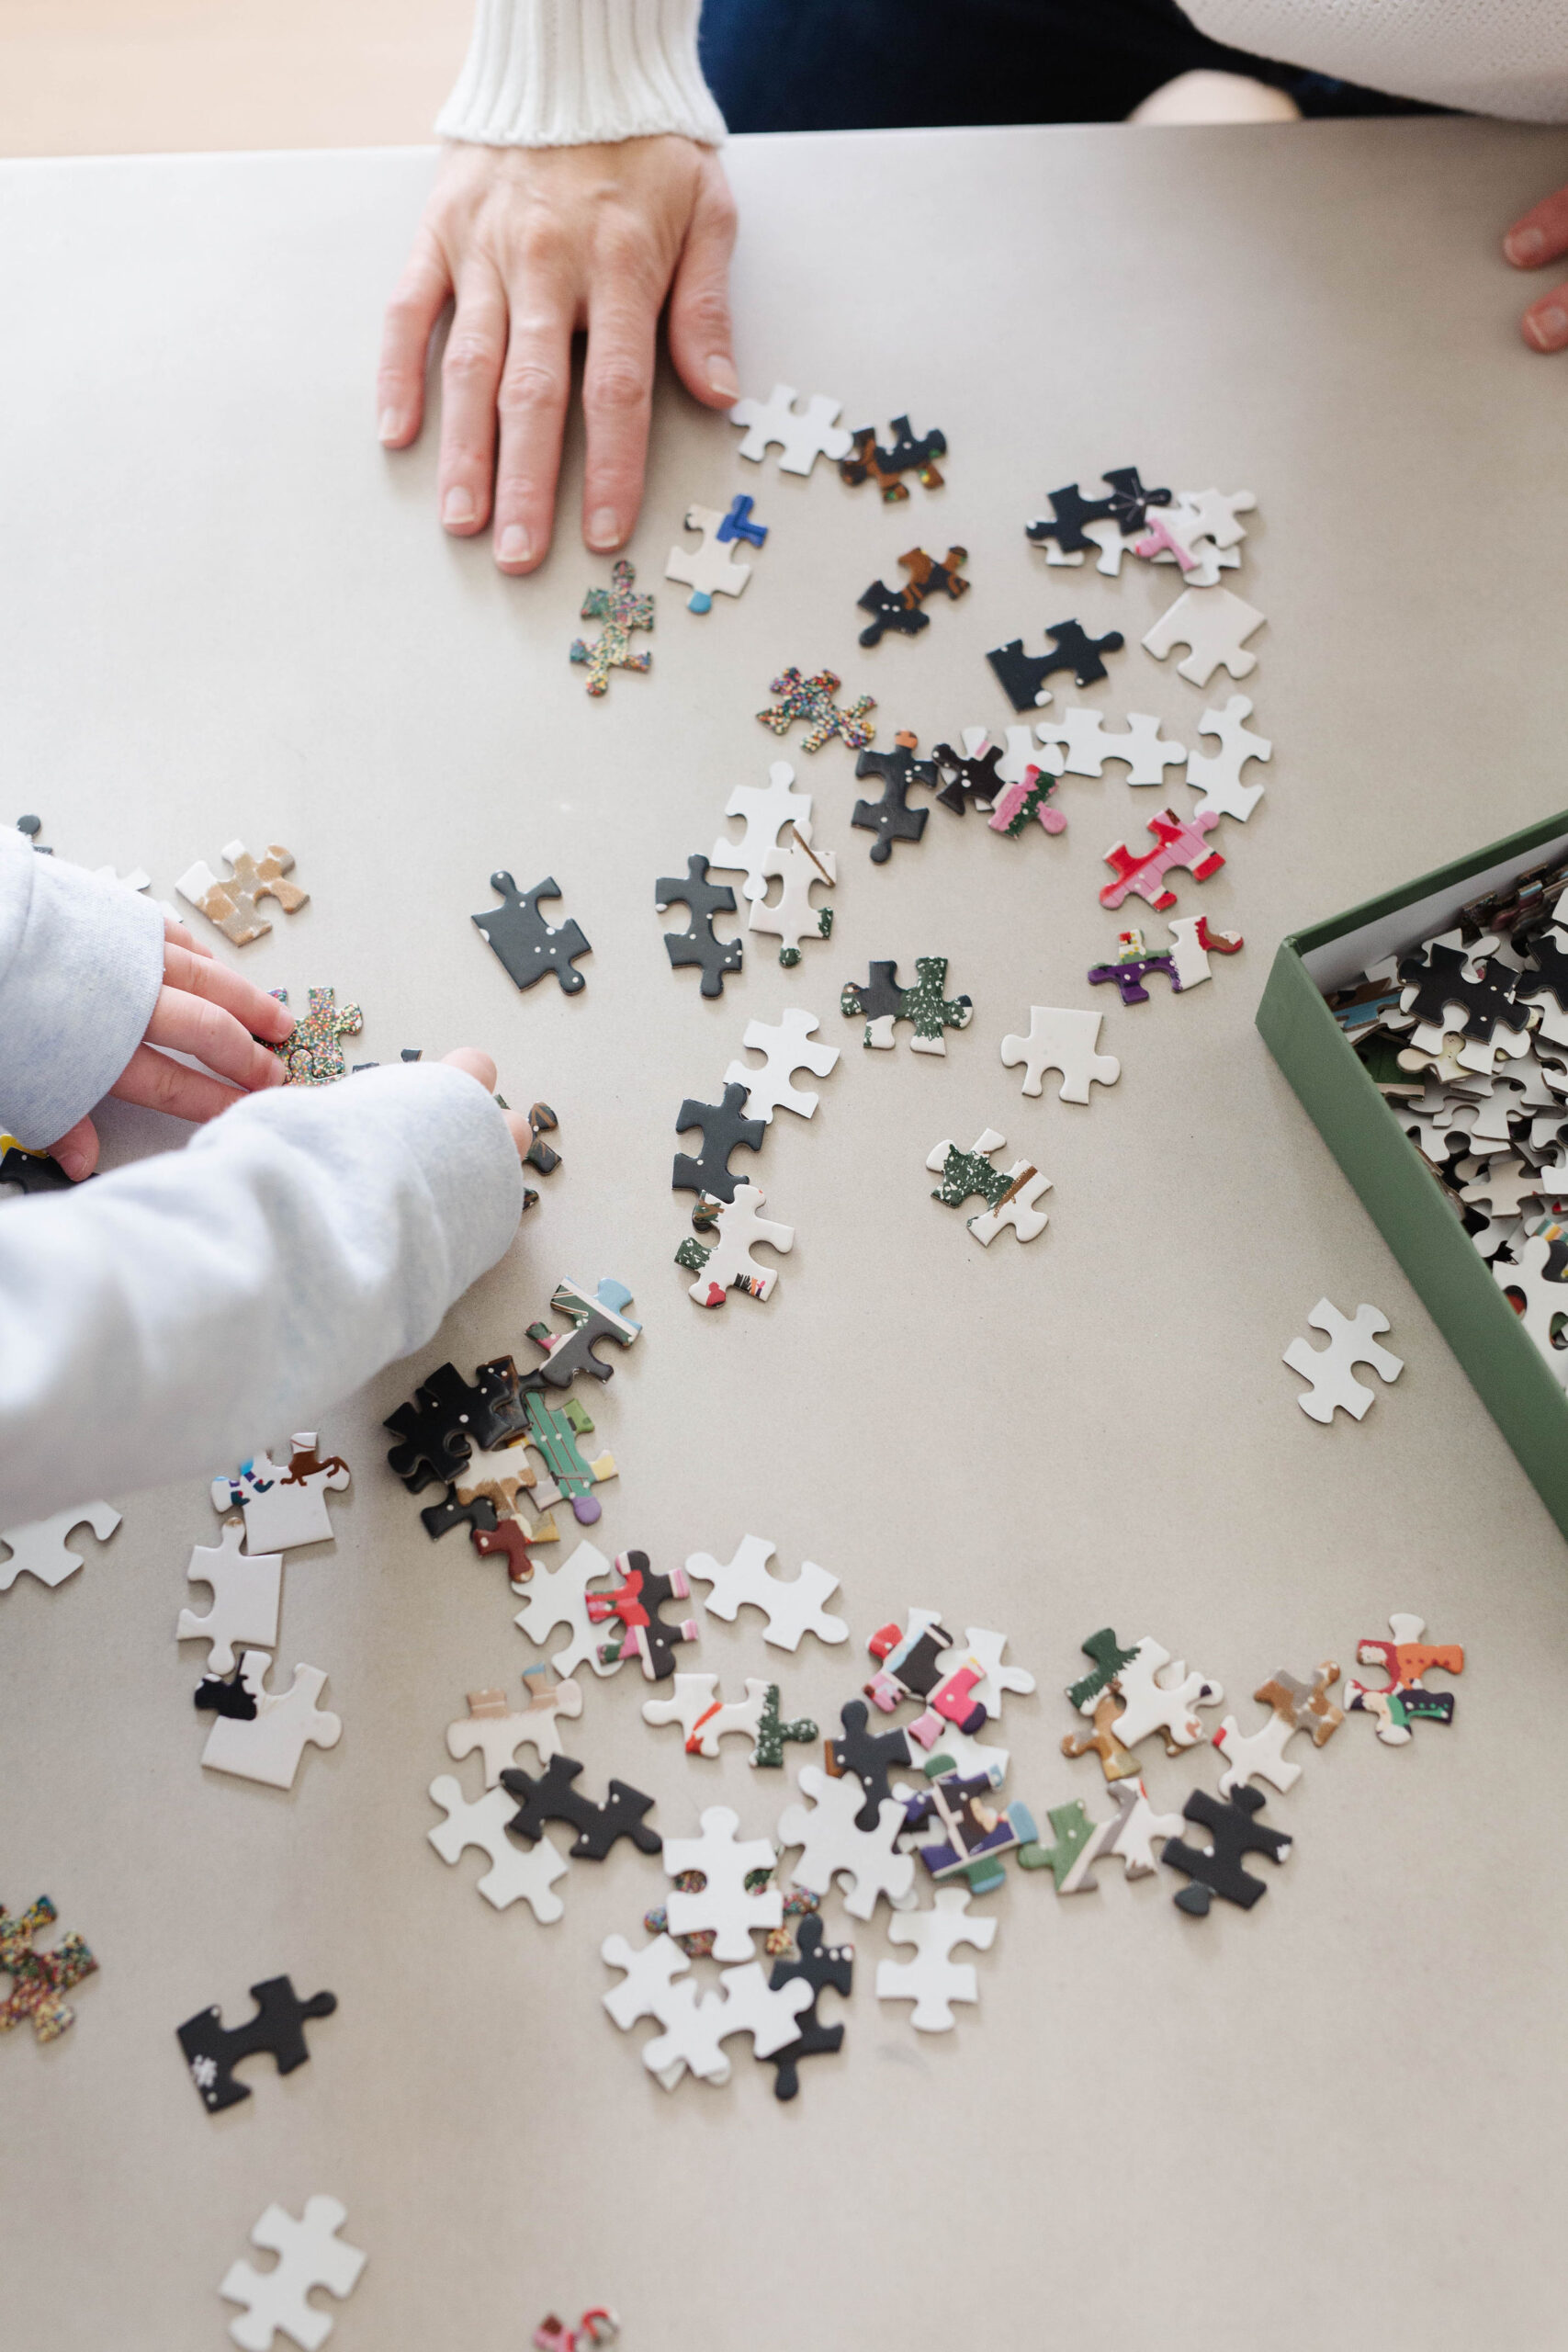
[182,1314]
[81,966]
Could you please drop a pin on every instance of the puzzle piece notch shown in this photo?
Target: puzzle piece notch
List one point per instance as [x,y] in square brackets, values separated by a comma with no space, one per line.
[725,1904]
[232,905]
[622,610]
[498,1731]
[825,1968]
[911,453]
[309,2255]
[636,1603]
[1404,1699]
[524,942]
[726,1262]
[698,943]
[1352,1340]
[1178,843]
[1219,778]
[1063,1040]
[550,1796]
[312,1052]
[1293,1706]
[903,609]
[891,818]
[1214,626]
[1023,675]
[284,1506]
[802,435]
[267,1747]
[708,571]
[212,2050]
[246,1590]
[39,1980]
[812,700]
[1216,1869]
[792,1608]
[39,1547]
[517,1873]
[933,1979]
[787,1047]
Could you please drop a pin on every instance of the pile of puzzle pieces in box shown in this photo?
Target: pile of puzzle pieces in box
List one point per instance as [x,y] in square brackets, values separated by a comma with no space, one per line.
[1466,1037]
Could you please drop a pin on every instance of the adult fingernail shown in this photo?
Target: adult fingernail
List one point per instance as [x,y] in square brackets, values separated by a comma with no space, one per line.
[603,527]
[1546,328]
[73,1161]
[391,424]
[515,546]
[457,506]
[722,378]
[1524,244]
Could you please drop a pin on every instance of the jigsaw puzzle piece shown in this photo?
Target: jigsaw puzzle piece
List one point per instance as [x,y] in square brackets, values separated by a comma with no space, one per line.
[39,1548]
[246,1589]
[801,436]
[1214,626]
[726,1262]
[788,1047]
[1352,1340]
[517,1873]
[310,2253]
[267,1746]
[1064,1041]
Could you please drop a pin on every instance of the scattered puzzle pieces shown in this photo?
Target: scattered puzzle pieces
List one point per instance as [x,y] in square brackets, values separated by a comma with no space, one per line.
[1214,626]
[1235,1830]
[812,700]
[903,609]
[212,2050]
[791,1608]
[933,1979]
[524,941]
[286,1506]
[311,1054]
[550,1796]
[709,571]
[1352,1340]
[517,1873]
[498,1731]
[39,1548]
[832,1847]
[1023,675]
[1064,1041]
[232,905]
[622,610]
[697,944]
[310,2253]
[39,1980]
[883,1003]
[726,1262]
[910,454]
[802,435]
[1404,1699]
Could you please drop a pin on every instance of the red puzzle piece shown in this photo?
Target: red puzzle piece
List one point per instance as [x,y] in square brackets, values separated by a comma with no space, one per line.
[1178,843]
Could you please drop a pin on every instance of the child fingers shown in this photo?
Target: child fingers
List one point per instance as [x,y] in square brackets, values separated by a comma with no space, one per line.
[184,1023]
[203,976]
[152,1079]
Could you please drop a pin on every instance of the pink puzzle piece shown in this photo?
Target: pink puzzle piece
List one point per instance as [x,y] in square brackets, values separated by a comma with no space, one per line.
[1177,843]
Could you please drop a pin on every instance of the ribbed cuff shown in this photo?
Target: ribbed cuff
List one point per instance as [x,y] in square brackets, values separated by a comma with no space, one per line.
[569,72]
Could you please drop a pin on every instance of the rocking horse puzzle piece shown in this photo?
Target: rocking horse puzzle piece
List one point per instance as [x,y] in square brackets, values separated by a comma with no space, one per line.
[725,1128]
[1352,1340]
[526,943]
[636,1603]
[246,1589]
[517,1873]
[550,1796]
[903,609]
[212,2050]
[1214,626]
[232,905]
[788,1047]
[708,571]
[622,610]
[1215,1869]
[802,435]
[310,2253]
[697,944]
[1178,843]
[498,1731]
[933,1979]
[284,1506]
[726,1264]
[891,818]
[267,1746]
[828,1968]
[812,700]
[39,1980]
[1293,1706]
[910,454]
[792,1608]
[725,1903]
[1404,1699]
[39,1548]
[1063,1041]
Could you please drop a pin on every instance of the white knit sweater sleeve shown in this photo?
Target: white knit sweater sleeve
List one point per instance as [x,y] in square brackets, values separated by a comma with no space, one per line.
[566,73]
[1496,57]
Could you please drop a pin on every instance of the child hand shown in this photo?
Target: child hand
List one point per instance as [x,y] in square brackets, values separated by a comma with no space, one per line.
[480,1066]
[205,1010]
[1541,235]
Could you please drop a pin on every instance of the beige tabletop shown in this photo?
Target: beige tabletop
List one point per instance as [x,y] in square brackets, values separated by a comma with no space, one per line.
[224,611]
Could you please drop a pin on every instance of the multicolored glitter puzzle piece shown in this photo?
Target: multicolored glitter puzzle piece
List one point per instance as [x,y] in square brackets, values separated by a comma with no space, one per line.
[313,1055]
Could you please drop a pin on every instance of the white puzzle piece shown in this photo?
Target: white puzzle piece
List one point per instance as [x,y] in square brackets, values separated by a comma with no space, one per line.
[1211,514]
[692,2029]
[833,1847]
[517,1873]
[1015,1208]
[1020,753]
[791,1608]
[788,1048]
[246,1589]
[1137,1826]
[802,435]
[1064,1041]
[933,1979]
[708,571]
[796,867]
[288,1505]
[728,1242]
[986,1650]
[1219,778]
[1544,1301]
[702,1716]
[1082,745]
[268,1747]
[766,810]
[39,1548]
[1214,626]
[1330,1370]
[1187,952]
[1113,543]
[310,2253]
[560,1596]
[1158,1694]
[499,1731]
[725,1904]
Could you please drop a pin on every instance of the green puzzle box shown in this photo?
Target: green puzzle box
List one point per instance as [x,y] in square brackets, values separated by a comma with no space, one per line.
[1393,1182]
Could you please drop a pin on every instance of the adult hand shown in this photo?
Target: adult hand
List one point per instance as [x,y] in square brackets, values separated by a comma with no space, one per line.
[205,1010]
[479,1065]
[534,245]
[1540,237]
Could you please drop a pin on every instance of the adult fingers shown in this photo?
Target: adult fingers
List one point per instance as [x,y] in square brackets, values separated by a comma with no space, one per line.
[617,400]
[535,386]
[470,375]
[187,1024]
[77,1151]
[1540,234]
[418,299]
[163,1085]
[702,340]
[258,1013]
[1545,323]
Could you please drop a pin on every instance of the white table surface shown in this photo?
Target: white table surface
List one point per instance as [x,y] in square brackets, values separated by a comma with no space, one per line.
[224,611]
